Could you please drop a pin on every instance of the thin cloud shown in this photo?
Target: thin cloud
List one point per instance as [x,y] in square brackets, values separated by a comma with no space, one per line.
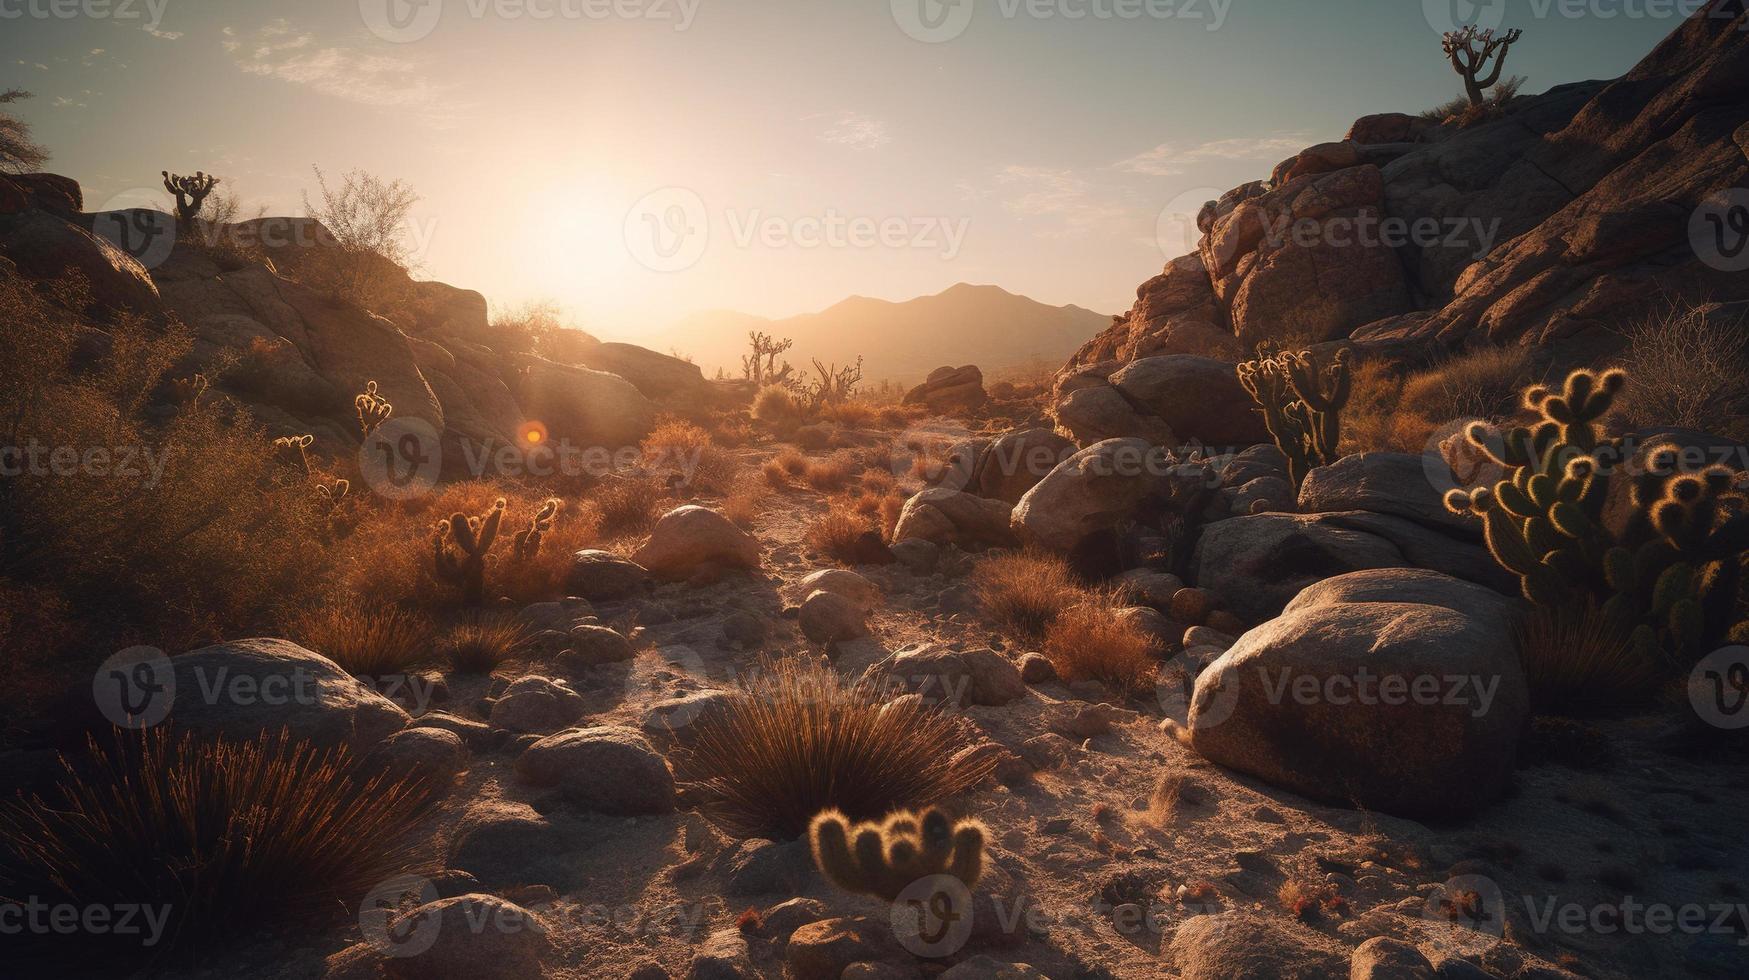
[856,130]
[162,35]
[279,50]
[1068,201]
[1172,159]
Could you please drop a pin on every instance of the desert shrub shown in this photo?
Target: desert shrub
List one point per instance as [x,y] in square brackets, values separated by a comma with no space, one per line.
[223,837]
[746,498]
[368,219]
[832,472]
[1579,662]
[1485,383]
[1086,642]
[778,407]
[1026,591]
[175,525]
[1466,114]
[855,414]
[1372,408]
[485,644]
[1688,371]
[684,448]
[836,532]
[796,739]
[628,505]
[366,640]
[19,152]
[786,468]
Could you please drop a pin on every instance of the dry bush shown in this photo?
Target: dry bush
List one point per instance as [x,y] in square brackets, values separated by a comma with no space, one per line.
[1687,370]
[832,472]
[1369,417]
[1466,114]
[176,527]
[686,450]
[746,498]
[1086,642]
[366,640]
[796,739]
[1579,662]
[786,468]
[1026,592]
[226,837]
[778,407]
[836,532]
[1392,412]
[628,505]
[484,645]
[855,414]
[732,430]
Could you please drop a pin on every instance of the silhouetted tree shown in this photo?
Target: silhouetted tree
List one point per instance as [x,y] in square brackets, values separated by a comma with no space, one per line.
[1468,60]
[18,152]
[190,193]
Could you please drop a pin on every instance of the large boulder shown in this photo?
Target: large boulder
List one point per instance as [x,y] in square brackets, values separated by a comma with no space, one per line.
[537,704]
[944,516]
[587,408]
[602,576]
[1296,264]
[1247,946]
[46,246]
[1175,313]
[1259,562]
[1169,399]
[952,677]
[691,539]
[1402,484]
[1396,690]
[441,310]
[669,381]
[1016,461]
[482,937]
[950,389]
[1090,492]
[608,770]
[241,689]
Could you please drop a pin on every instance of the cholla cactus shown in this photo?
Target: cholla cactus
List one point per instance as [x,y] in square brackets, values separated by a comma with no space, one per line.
[191,192]
[1467,59]
[290,450]
[189,390]
[526,544]
[329,495]
[372,410]
[883,859]
[1302,404]
[761,365]
[465,565]
[1672,580]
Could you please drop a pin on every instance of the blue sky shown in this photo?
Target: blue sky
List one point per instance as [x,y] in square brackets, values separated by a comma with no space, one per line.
[776,155]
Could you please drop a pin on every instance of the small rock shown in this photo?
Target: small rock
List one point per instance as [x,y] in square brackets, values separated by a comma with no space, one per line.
[917,555]
[828,617]
[1192,605]
[1207,636]
[844,582]
[1151,588]
[435,755]
[504,844]
[821,950]
[989,968]
[478,936]
[592,645]
[1383,958]
[601,576]
[1225,622]
[745,629]
[537,704]
[786,917]
[1036,668]
[722,956]
[609,770]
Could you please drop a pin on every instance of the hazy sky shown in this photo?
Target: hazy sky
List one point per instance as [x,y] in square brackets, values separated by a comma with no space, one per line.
[635,160]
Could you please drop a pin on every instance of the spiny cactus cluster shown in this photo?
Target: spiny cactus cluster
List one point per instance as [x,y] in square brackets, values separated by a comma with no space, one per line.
[526,544]
[464,565]
[1674,576]
[190,192]
[883,859]
[372,410]
[329,495]
[289,450]
[1302,404]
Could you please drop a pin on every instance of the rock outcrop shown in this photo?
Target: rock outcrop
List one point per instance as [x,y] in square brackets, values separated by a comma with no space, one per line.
[950,389]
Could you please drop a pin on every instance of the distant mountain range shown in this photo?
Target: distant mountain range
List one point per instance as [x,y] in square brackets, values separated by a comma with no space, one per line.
[964,324]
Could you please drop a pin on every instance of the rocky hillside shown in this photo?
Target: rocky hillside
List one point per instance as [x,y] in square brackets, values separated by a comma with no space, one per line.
[296,356]
[1551,224]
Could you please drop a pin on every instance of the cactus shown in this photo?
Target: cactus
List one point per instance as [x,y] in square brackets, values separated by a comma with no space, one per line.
[191,192]
[1673,578]
[1302,404]
[464,566]
[372,410]
[329,495]
[1467,61]
[883,859]
[526,544]
[189,390]
[290,451]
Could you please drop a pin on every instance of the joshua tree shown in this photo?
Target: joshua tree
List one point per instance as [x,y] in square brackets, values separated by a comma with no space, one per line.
[761,367]
[836,383]
[1467,60]
[190,192]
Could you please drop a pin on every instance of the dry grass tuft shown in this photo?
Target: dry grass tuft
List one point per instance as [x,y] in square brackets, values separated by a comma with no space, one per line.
[1306,900]
[628,505]
[1578,662]
[832,472]
[1687,370]
[836,532]
[1026,592]
[1086,642]
[366,641]
[778,407]
[746,498]
[483,646]
[1401,413]
[223,837]
[797,739]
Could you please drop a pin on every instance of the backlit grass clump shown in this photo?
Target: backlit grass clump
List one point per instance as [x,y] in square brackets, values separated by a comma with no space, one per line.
[797,739]
[366,641]
[1026,592]
[218,838]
